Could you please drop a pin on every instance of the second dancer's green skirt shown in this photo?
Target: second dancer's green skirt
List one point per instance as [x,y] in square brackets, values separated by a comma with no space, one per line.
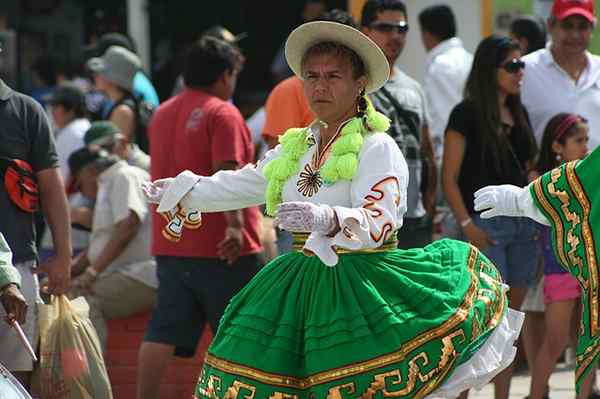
[400,323]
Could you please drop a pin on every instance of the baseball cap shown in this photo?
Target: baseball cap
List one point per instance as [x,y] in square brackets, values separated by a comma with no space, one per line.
[100,133]
[562,9]
[81,158]
[220,32]
[118,65]
[68,94]
[107,40]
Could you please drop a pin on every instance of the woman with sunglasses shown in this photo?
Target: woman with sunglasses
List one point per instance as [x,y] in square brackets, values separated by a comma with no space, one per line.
[489,141]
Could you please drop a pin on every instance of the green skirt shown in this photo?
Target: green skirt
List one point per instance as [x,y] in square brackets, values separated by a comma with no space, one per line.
[398,323]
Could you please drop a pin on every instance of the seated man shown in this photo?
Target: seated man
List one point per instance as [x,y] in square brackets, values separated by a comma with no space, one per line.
[117,274]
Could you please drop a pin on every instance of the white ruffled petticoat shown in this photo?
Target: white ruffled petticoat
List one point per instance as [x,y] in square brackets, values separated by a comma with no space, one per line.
[494,356]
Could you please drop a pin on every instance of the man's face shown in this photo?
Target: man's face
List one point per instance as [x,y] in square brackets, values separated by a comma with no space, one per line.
[385,31]
[572,35]
[87,181]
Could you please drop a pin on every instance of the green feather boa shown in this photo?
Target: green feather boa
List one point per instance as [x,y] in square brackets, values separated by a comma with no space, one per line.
[341,164]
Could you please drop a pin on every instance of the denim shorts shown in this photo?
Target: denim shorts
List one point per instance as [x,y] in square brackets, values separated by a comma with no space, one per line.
[517,248]
[192,292]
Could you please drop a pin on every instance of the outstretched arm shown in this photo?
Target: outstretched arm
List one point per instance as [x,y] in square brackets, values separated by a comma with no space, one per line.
[226,190]
[508,200]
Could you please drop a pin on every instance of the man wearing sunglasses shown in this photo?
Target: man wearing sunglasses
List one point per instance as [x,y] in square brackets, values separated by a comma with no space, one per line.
[402,99]
[564,76]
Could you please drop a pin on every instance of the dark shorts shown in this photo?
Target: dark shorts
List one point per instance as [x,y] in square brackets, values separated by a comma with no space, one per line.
[192,292]
[415,232]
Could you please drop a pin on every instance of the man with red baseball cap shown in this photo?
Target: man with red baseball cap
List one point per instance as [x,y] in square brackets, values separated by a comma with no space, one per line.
[562,9]
[563,76]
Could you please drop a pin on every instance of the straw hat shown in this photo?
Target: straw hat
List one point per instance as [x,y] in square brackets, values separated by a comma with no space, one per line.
[311,33]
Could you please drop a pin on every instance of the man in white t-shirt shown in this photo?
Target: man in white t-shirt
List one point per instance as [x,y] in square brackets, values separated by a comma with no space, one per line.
[447,67]
[565,77]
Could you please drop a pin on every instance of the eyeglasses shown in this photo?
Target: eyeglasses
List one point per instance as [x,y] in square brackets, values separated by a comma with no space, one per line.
[513,66]
[387,27]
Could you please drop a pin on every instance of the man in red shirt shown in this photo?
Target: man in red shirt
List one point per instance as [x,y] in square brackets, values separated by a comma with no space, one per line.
[199,271]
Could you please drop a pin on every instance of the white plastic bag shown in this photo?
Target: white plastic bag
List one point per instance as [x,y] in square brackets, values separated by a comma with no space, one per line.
[71,362]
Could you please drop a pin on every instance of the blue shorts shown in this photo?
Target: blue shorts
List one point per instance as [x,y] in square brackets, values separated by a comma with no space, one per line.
[191,292]
[516,251]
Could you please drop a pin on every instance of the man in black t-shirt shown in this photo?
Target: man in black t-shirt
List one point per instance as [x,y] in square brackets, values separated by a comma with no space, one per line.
[25,135]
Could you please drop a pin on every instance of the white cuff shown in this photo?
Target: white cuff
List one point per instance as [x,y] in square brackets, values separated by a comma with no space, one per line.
[354,231]
[528,208]
[183,183]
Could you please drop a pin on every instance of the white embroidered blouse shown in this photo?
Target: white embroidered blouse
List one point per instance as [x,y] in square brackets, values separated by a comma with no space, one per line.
[369,207]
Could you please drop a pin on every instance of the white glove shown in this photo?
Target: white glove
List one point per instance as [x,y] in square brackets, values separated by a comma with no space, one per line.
[507,200]
[305,217]
[176,191]
[155,190]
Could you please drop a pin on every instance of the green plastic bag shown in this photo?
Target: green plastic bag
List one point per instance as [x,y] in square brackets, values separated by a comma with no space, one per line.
[71,363]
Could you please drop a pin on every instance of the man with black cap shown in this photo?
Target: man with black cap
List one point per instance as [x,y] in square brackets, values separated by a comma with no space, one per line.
[67,106]
[29,160]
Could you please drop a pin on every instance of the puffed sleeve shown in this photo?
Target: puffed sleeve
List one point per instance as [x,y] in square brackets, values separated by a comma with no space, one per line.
[378,198]
[226,190]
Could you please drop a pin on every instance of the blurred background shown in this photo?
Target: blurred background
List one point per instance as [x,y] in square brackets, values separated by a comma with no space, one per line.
[51,35]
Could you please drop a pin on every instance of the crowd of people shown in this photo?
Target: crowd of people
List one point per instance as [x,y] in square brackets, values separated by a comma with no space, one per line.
[518,107]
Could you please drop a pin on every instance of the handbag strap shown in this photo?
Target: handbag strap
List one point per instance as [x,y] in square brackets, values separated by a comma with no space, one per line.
[6,162]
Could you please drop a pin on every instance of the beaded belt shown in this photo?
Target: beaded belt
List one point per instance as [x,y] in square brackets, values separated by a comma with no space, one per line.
[388,245]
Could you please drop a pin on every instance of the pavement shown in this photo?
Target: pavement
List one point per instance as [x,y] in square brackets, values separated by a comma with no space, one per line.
[562,385]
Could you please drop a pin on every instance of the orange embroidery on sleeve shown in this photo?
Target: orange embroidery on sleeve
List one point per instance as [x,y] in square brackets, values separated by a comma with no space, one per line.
[385,232]
[372,207]
[378,189]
